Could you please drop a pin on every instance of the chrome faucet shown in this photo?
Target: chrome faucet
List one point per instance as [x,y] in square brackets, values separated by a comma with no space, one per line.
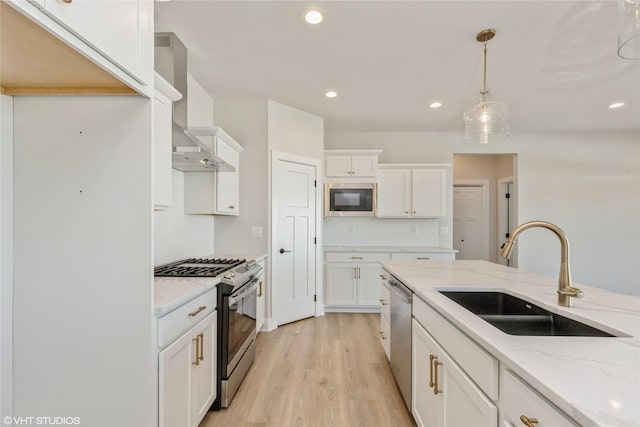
[565,290]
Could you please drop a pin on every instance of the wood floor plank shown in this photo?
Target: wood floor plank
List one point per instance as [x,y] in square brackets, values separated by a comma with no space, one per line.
[323,371]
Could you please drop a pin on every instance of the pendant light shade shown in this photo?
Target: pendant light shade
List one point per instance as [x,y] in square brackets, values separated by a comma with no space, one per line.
[487,120]
[629,29]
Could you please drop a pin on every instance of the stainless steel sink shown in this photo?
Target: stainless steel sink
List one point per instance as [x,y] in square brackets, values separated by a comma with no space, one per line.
[516,316]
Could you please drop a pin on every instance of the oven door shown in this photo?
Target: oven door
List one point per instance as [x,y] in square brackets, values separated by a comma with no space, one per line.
[242,322]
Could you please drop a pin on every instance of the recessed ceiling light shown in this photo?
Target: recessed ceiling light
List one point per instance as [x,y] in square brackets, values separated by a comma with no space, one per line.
[313,17]
[331,94]
[616,105]
[436,104]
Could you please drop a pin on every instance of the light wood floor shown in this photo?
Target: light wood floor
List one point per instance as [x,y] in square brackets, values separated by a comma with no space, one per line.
[324,371]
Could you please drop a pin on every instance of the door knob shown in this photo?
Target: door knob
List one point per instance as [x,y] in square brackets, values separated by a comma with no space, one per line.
[283,251]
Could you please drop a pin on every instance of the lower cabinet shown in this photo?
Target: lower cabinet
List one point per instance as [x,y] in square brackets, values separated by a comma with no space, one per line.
[187,382]
[260,298]
[385,314]
[519,404]
[351,284]
[443,395]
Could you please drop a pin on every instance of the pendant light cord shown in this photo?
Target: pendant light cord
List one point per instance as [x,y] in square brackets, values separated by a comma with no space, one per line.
[484,85]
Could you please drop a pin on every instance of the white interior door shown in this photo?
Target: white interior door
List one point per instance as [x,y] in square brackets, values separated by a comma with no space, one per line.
[468,222]
[295,251]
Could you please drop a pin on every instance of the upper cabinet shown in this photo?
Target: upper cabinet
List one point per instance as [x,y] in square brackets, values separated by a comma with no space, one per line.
[351,163]
[412,192]
[216,193]
[103,46]
[163,97]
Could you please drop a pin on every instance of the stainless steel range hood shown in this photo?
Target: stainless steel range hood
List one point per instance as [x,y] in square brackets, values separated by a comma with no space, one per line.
[190,153]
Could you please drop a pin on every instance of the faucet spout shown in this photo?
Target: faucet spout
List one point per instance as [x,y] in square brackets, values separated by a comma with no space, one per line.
[565,290]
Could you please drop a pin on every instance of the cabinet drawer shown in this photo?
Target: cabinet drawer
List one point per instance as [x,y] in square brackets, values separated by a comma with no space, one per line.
[385,335]
[385,300]
[422,255]
[172,324]
[356,256]
[475,361]
[517,398]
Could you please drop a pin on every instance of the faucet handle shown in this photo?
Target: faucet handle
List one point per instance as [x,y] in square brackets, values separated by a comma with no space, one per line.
[572,292]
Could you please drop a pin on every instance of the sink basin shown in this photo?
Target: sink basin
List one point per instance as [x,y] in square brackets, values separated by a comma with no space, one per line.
[515,316]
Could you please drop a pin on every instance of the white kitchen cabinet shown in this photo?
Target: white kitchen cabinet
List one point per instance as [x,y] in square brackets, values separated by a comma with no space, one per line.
[102,25]
[187,375]
[163,96]
[442,394]
[351,164]
[385,314]
[411,192]
[518,399]
[261,299]
[352,280]
[215,193]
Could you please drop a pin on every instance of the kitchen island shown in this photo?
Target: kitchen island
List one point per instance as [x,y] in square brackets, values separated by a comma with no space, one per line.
[593,380]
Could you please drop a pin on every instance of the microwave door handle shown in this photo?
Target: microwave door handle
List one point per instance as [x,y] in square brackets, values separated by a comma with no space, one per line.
[235,298]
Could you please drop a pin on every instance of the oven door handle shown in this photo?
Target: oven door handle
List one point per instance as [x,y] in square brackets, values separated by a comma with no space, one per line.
[251,288]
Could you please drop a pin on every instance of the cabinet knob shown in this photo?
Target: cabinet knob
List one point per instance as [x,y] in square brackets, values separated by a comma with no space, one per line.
[529,422]
[231,207]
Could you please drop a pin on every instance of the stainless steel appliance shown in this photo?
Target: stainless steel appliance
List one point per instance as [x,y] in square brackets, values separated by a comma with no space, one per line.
[401,298]
[350,199]
[236,306]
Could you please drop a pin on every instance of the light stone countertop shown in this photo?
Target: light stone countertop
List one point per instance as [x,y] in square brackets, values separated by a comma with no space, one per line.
[407,249]
[170,293]
[596,381]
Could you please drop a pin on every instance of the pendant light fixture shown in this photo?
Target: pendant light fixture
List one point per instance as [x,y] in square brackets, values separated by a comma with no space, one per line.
[629,31]
[487,120]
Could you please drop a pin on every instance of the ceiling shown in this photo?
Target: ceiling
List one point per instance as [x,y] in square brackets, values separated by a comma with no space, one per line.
[554,63]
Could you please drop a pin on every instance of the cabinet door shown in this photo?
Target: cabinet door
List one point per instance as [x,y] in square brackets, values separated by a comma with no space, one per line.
[204,373]
[341,284]
[369,284]
[338,166]
[426,406]
[162,190]
[228,183]
[364,166]
[394,192]
[464,404]
[120,30]
[429,192]
[260,300]
[175,399]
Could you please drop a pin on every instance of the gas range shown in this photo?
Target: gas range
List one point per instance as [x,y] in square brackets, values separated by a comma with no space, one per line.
[232,272]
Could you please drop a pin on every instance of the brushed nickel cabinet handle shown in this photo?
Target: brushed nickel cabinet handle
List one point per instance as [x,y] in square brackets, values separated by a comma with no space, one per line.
[195,313]
[232,207]
[529,422]
[356,257]
[423,257]
[260,289]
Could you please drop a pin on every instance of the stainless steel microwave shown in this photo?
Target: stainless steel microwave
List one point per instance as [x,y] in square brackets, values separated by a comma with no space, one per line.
[350,199]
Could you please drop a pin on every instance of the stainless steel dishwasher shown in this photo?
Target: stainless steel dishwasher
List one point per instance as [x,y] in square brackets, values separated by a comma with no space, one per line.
[401,298]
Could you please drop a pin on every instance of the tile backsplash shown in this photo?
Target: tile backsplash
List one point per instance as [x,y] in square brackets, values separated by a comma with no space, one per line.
[380,231]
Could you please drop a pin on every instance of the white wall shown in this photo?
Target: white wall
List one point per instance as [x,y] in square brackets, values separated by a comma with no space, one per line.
[380,232]
[83,259]
[588,183]
[178,236]
[246,122]
[294,131]
[6,255]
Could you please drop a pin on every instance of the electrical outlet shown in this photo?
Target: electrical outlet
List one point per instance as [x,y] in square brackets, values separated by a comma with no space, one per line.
[414,230]
[444,230]
[256,231]
[350,229]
